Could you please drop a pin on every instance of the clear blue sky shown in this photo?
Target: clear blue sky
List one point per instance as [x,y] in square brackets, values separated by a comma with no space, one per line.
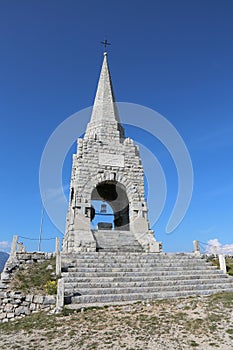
[172,56]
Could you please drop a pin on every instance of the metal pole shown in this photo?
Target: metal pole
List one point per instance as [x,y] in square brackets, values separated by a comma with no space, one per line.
[41,225]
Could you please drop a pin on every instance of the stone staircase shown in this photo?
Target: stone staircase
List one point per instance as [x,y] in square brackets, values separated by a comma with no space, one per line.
[115,241]
[109,278]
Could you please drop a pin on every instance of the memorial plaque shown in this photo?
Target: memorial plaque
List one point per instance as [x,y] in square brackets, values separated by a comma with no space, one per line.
[111,159]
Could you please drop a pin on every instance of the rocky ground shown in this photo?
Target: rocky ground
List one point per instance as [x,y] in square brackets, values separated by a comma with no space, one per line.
[195,322]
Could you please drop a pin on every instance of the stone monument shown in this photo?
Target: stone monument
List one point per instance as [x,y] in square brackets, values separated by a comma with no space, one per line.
[107,167]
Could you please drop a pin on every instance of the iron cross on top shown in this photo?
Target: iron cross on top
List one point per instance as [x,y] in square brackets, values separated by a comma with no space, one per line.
[105,43]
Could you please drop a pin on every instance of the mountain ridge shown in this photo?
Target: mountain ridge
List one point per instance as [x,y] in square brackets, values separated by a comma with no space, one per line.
[3,258]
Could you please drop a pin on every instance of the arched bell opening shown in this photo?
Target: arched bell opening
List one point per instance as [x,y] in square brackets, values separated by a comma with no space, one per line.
[103,215]
[111,205]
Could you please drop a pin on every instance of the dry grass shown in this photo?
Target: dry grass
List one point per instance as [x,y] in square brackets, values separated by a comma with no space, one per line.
[33,278]
[229,263]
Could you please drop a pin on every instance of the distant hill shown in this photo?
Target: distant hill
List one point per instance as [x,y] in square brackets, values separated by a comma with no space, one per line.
[3,258]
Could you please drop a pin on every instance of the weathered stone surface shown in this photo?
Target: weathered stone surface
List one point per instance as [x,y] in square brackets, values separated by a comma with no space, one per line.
[21,310]
[8,307]
[114,277]
[49,300]
[5,276]
[2,315]
[38,299]
[29,298]
[60,294]
[11,310]
[32,306]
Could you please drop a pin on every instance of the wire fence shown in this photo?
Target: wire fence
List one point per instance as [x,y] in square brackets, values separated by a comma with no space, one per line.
[37,239]
[31,244]
[203,247]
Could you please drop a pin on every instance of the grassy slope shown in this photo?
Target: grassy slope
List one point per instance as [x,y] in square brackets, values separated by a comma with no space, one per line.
[33,278]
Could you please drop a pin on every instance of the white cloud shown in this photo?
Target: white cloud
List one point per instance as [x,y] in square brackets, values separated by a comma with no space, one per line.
[5,246]
[215,247]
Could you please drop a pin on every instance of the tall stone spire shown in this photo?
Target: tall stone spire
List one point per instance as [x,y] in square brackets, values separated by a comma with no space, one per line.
[104,112]
[104,108]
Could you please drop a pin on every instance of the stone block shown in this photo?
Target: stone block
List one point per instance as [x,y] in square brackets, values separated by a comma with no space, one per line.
[29,262]
[29,298]
[27,311]
[8,307]
[5,276]
[32,307]
[49,300]
[38,299]
[24,256]
[21,310]
[15,295]
[2,315]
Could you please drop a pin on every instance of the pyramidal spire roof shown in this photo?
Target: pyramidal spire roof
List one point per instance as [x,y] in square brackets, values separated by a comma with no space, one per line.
[104,108]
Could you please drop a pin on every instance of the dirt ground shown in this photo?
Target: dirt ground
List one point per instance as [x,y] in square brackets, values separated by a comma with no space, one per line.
[187,323]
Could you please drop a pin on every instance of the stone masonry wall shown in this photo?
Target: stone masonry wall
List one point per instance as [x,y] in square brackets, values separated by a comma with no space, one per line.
[14,305]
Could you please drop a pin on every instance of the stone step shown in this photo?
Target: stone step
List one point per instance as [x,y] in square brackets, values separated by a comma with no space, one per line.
[100,262]
[168,273]
[118,277]
[143,278]
[71,285]
[117,249]
[114,234]
[108,298]
[146,264]
[130,255]
[140,264]
[78,262]
[111,240]
[135,269]
[134,260]
[138,290]
[120,240]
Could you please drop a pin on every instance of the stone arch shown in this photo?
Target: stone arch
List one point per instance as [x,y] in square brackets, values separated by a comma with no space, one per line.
[113,194]
[91,183]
